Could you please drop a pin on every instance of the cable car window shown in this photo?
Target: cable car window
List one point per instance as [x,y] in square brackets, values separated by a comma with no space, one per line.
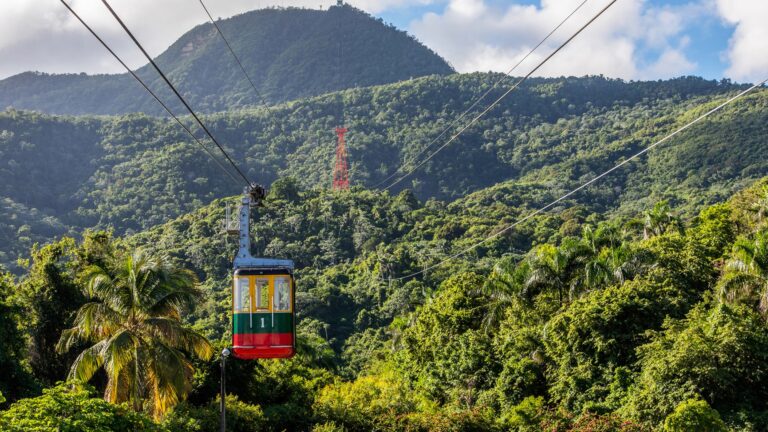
[262,294]
[242,295]
[282,294]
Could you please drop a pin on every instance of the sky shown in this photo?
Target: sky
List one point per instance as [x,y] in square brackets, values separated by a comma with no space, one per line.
[633,40]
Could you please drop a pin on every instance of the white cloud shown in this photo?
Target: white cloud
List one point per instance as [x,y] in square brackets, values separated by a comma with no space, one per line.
[671,62]
[42,35]
[748,51]
[631,40]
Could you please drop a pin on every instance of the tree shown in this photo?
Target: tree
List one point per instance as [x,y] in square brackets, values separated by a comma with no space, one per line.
[16,380]
[369,403]
[623,262]
[605,235]
[72,408]
[694,415]
[599,333]
[503,288]
[49,296]
[133,318]
[241,417]
[760,207]
[285,188]
[445,349]
[746,272]
[659,220]
[718,353]
[556,268]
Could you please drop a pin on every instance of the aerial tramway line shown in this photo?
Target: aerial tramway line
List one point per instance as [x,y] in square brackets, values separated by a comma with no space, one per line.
[263,289]
[263,293]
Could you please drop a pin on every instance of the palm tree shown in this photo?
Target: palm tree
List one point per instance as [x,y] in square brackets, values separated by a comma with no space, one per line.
[605,235]
[596,271]
[556,268]
[760,207]
[659,219]
[134,323]
[746,272]
[624,262]
[504,288]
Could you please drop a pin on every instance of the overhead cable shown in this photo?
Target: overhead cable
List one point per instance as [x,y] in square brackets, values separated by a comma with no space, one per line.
[136,77]
[588,183]
[237,59]
[497,101]
[176,92]
[483,96]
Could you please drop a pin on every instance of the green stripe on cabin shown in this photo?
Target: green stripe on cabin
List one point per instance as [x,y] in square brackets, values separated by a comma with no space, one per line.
[262,323]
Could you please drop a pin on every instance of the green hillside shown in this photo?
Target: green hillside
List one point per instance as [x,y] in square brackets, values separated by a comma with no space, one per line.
[516,281]
[133,172]
[289,54]
[575,321]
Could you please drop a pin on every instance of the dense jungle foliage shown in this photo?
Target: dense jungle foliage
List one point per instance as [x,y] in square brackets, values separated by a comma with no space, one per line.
[573,321]
[133,172]
[288,53]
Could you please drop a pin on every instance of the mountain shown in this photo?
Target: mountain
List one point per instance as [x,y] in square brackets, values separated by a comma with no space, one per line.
[289,54]
[64,174]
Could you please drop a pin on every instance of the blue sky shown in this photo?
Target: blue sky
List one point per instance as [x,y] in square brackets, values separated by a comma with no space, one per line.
[704,41]
[635,39]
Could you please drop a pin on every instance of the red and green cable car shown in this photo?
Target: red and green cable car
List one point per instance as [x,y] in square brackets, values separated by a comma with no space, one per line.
[263,306]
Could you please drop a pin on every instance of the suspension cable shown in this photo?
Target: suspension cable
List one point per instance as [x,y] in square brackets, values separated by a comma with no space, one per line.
[136,77]
[176,92]
[588,183]
[237,59]
[483,96]
[497,101]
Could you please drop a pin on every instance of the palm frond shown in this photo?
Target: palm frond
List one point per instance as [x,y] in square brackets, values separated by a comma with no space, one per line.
[87,363]
[175,335]
[142,344]
[119,351]
[168,374]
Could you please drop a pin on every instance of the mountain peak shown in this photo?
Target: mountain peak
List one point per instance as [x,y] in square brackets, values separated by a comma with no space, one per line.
[289,53]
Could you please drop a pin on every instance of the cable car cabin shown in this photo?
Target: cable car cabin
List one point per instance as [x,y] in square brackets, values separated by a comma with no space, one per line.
[263,324]
[263,302]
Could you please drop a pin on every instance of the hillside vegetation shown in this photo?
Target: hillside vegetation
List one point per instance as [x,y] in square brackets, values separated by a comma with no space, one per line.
[288,53]
[575,321]
[64,174]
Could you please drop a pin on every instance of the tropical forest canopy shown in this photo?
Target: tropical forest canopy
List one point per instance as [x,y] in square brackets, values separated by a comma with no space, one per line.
[639,303]
[574,321]
[64,174]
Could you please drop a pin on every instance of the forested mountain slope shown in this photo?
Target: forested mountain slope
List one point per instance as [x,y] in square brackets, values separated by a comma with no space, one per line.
[62,174]
[288,53]
[575,321]
[350,243]
[570,319]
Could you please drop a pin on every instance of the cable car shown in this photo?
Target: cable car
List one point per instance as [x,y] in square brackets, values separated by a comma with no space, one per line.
[263,293]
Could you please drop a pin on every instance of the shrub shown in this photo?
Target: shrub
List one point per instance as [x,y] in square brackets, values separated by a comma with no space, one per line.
[68,408]
[241,417]
[694,415]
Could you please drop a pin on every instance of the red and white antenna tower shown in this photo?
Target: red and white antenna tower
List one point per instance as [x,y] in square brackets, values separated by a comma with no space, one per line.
[340,172]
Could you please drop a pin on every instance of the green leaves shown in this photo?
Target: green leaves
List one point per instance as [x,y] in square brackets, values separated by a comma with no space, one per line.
[71,408]
[134,319]
[600,332]
[718,353]
[694,414]
[745,279]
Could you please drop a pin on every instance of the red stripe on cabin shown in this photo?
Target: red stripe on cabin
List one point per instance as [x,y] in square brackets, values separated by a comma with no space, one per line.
[262,340]
[263,353]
